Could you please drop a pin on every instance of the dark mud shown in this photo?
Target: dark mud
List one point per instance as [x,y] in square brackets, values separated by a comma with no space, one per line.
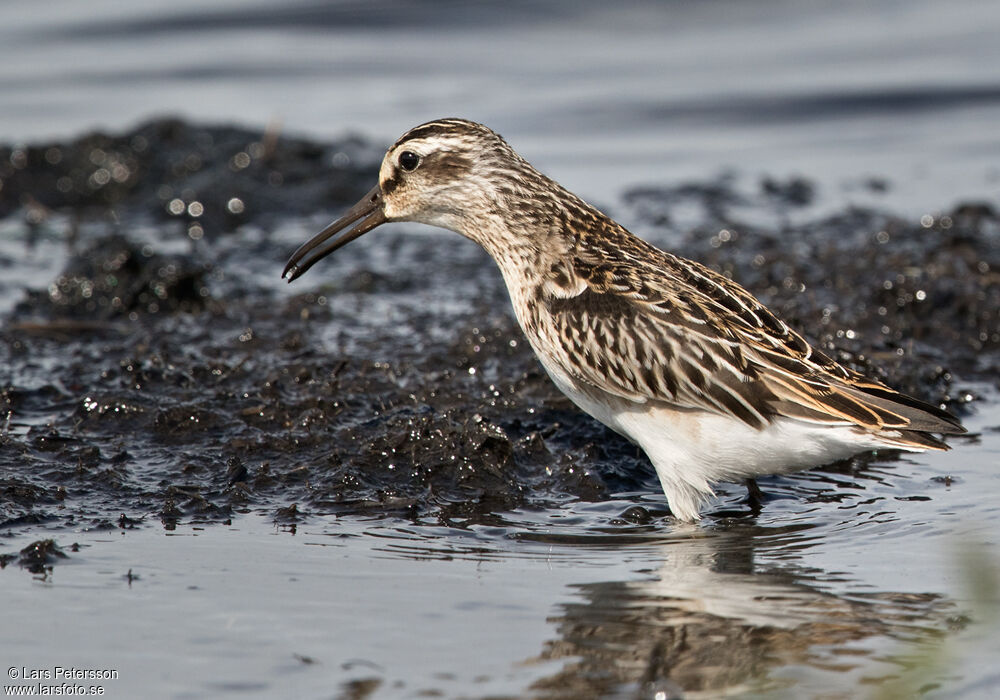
[165,375]
[168,168]
[38,557]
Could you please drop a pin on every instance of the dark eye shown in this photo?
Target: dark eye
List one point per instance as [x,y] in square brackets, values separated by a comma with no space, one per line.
[408,160]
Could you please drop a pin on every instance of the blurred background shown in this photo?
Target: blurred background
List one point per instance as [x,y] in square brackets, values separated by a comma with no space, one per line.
[895,102]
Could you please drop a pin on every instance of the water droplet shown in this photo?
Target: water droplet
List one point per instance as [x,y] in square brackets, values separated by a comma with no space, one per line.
[239,161]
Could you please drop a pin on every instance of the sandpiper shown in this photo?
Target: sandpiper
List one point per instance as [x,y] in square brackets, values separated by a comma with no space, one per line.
[673,355]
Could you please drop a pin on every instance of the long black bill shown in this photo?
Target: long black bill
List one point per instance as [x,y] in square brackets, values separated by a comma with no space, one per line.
[368,214]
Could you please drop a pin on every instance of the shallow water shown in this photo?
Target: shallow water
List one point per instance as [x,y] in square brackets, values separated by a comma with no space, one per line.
[362,485]
[841,583]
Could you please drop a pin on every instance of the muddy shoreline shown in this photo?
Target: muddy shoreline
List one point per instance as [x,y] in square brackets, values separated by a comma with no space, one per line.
[164,376]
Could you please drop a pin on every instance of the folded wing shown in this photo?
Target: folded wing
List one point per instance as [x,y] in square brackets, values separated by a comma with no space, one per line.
[694,339]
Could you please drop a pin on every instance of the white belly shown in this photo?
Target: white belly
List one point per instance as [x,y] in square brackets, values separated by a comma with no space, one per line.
[693,449]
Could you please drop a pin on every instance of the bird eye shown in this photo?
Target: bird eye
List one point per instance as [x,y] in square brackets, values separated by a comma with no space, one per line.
[408,160]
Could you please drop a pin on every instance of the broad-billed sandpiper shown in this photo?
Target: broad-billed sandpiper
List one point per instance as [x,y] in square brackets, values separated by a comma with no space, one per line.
[673,355]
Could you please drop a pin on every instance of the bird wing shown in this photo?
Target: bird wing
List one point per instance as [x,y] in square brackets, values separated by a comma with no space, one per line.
[695,339]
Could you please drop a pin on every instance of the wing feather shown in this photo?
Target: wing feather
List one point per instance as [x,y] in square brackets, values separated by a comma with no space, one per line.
[695,339]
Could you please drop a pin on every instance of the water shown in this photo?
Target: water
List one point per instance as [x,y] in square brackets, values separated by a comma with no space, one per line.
[827,598]
[861,579]
[600,97]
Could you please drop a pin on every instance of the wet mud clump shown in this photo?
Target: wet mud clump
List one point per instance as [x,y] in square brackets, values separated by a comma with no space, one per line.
[38,557]
[220,177]
[164,374]
[115,277]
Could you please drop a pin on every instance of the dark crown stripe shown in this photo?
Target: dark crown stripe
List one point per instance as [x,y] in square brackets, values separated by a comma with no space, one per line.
[436,128]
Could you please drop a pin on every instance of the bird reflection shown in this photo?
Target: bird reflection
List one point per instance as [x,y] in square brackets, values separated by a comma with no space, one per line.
[709,620]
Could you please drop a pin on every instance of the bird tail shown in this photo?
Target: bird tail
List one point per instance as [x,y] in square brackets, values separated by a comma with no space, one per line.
[907,423]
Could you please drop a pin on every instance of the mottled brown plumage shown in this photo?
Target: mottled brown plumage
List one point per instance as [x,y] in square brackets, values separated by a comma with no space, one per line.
[677,357]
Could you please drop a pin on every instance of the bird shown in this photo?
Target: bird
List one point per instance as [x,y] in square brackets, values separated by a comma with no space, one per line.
[677,357]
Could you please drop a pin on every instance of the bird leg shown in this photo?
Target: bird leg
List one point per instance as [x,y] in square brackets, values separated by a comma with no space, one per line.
[755,497]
